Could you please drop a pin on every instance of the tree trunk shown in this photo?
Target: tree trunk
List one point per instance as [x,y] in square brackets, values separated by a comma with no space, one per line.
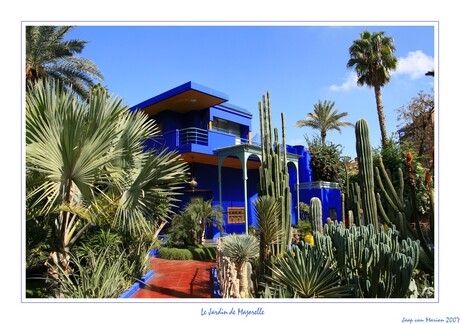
[243,278]
[323,137]
[381,115]
[157,232]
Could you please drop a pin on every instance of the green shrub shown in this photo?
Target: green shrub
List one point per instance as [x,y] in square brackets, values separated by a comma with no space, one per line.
[325,160]
[174,254]
[200,253]
[304,226]
[204,253]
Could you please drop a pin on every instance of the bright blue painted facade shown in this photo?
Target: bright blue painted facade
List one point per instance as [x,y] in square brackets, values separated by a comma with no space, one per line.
[199,123]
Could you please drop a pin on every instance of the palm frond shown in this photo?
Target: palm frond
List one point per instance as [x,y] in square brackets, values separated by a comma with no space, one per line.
[49,55]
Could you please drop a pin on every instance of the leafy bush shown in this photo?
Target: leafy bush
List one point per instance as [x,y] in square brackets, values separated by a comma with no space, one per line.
[304,226]
[200,253]
[304,210]
[325,160]
[189,226]
[204,253]
[175,254]
[38,244]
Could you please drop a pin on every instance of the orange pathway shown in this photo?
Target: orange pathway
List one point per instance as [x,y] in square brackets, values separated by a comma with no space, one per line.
[178,279]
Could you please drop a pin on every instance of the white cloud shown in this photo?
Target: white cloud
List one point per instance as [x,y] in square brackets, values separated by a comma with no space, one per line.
[349,83]
[297,141]
[415,64]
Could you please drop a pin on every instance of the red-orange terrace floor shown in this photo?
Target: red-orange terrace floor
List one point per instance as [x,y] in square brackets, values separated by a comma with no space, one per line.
[178,279]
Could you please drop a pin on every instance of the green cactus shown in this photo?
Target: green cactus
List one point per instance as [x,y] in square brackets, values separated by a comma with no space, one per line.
[366,172]
[316,214]
[274,175]
[375,261]
[351,218]
[354,203]
[404,212]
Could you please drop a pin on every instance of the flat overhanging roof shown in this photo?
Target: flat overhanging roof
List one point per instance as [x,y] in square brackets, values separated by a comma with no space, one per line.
[187,97]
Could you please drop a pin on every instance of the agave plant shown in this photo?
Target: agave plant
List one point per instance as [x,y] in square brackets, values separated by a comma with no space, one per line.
[95,276]
[307,273]
[241,249]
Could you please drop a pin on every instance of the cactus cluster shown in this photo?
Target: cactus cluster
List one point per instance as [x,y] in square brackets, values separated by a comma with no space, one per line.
[401,211]
[377,262]
[274,175]
[404,212]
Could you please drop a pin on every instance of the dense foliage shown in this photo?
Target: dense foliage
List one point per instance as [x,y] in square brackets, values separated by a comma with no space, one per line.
[189,225]
[325,160]
[86,165]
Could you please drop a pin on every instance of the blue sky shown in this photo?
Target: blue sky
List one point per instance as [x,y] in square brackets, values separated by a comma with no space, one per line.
[298,64]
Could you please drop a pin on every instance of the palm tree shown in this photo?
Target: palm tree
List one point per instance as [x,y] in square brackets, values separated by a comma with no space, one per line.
[48,55]
[86,163]
[204,213]
[241,249]
[324,119]
[373,59]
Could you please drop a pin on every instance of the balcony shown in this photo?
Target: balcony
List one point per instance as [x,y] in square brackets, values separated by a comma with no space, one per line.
[193,139]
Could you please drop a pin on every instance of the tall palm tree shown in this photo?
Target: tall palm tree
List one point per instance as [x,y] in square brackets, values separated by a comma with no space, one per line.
[373,59]
[324,119]
[48,55]
[86,163]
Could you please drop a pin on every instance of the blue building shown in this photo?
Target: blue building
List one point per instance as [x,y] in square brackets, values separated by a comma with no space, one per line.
[215,138]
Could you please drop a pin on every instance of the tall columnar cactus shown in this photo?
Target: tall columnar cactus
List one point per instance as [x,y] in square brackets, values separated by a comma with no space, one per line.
[316,214]
[405,211]
[376,261]
[366,173]
[274,175]
[354,202]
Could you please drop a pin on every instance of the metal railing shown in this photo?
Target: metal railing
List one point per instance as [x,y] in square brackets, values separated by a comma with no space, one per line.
[193,135]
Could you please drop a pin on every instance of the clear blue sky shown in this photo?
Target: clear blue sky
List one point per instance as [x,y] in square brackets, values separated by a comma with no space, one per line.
[299,65]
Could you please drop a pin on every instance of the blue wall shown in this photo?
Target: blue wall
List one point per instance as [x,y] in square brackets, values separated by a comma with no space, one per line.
[232,191]
[330,198]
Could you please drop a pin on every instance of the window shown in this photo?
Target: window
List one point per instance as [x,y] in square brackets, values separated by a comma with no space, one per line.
[226,126]
[235,215]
